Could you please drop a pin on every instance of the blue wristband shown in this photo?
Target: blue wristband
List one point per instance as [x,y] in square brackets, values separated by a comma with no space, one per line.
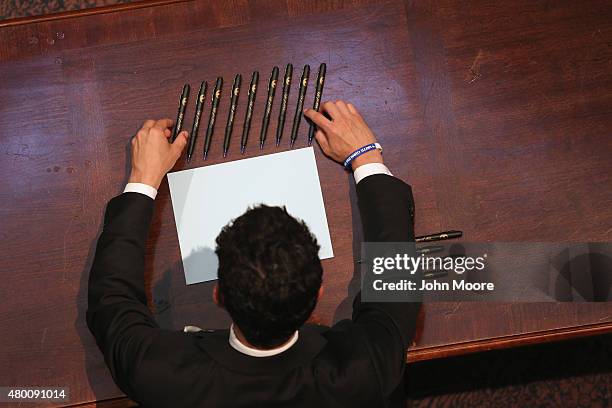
[359,152]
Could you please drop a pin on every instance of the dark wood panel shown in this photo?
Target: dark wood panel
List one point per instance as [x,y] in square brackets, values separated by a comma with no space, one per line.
[507,163]
[498,116]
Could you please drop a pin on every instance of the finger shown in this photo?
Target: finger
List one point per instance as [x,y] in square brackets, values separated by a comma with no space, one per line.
[321,121]
[180,142]
[322,140]
[148,124]
[341,105]
[163,124]
[167,133]
[355,112]
[331,110]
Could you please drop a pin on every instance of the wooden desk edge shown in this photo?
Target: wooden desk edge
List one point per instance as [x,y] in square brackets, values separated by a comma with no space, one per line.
[85,12]
[498,343]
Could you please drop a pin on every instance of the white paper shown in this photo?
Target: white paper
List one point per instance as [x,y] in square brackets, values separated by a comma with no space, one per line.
[207,198]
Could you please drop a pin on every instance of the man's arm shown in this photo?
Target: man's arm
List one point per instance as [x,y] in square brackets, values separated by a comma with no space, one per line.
[387,214]
[117,313]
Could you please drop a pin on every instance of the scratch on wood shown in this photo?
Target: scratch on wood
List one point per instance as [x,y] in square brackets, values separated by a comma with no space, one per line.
[451,313]
[43,338]
[427,98]
[474,71]
[64,252]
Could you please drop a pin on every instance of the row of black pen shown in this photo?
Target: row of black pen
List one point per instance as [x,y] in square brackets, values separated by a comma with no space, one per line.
[252,92]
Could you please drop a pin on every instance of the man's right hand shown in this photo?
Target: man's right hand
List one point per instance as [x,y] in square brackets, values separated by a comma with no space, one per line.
[346,132]
[152,155]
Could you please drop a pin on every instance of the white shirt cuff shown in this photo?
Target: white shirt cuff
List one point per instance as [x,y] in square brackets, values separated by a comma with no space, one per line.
[369,169]
[141,188]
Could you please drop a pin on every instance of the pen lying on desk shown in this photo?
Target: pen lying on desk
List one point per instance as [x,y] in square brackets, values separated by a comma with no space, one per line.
[440,236]
[300,104]
[178,124]
[216,96]
[424,251]
[430,249]
[435,274]
[232,114]
[249,112]
[317,99]
[268,109]
[196,120]
[283,107]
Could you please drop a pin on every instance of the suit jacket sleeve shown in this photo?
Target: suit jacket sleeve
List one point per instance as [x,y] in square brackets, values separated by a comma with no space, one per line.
[117,313]
[386,207]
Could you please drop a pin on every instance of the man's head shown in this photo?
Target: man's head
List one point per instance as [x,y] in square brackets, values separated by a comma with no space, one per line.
[269,274]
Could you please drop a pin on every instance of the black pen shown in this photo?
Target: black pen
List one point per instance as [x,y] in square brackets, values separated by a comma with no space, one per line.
[283,107]
[232,113]
[216,96]
[440,236]
[421,251]
[435,274]
[268,110]
[249,112]
[300,104]
[178,124]
[430,249]
[317,99]
[196,119]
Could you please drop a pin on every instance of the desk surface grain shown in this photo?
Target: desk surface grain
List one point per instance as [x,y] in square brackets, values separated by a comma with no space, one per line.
[498,115]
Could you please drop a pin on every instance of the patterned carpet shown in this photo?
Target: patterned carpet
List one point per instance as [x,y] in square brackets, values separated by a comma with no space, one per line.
[573,373]
[24,8]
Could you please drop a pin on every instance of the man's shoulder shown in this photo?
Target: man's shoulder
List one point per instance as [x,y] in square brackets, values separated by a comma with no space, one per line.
[345,343]
[176,348]
[344,366]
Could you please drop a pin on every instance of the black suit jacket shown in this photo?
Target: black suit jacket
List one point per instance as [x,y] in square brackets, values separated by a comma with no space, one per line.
[357,362]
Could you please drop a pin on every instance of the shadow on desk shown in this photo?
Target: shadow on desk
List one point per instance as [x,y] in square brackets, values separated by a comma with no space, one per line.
[98,375]
[176,305]
[99,378]
[345,308]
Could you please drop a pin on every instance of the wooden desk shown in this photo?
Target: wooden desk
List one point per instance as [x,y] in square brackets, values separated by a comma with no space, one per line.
[497,114]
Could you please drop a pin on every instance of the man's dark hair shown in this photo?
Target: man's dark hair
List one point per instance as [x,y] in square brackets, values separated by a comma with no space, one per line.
[269,274]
